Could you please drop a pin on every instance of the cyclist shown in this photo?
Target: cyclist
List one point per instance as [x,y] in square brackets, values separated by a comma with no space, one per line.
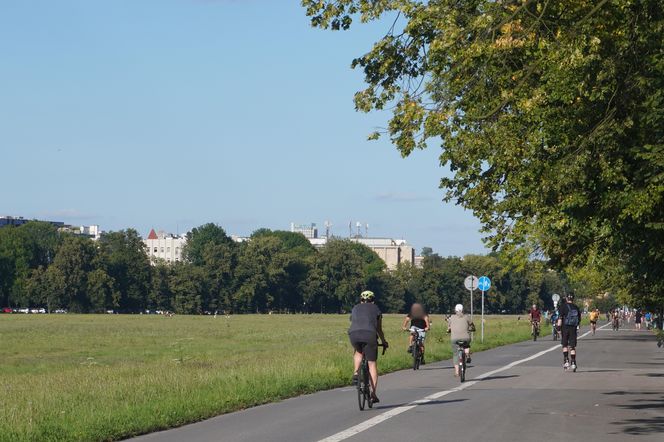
[419,322]
[459,326]
[365,327]
[616,318]
[535,316]
[594,316]
[554,319]
[569,320]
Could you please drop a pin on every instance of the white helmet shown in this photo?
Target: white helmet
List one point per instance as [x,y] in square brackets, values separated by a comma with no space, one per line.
[458,308]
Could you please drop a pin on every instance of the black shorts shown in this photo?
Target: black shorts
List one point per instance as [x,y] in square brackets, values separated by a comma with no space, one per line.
[568,335]
[593,322]
[365,343]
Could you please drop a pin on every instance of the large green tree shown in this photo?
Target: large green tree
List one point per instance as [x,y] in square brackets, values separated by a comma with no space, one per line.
[550,116]
[122,256]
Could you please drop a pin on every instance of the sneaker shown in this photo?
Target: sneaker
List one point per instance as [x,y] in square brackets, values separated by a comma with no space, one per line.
[566,365]
[374,398]
[574,366]
[355,379]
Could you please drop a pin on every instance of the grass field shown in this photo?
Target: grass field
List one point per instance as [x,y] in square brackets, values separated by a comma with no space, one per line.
[97,377]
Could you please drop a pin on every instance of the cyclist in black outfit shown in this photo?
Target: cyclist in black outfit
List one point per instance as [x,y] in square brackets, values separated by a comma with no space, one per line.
[365,327]
[568,321]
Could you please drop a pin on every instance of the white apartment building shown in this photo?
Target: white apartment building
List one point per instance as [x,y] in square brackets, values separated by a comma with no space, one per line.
[309,231]
[166,246]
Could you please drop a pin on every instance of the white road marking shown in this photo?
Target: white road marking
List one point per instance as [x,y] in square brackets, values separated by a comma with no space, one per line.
[352,431]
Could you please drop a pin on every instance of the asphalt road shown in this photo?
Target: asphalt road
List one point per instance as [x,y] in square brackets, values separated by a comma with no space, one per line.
[513,393]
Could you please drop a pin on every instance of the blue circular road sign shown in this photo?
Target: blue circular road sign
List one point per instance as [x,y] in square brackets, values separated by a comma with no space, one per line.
[484,283]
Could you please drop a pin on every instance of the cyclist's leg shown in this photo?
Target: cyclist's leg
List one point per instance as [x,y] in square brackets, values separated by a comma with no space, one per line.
[572,345]
[358,345]
[455,358]
[564,342]
[371,353]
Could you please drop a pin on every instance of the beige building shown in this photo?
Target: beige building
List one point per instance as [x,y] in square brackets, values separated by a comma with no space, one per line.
[392,251]
[164,246]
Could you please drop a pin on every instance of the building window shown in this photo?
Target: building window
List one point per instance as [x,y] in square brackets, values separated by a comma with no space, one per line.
[155,250]
[162,250]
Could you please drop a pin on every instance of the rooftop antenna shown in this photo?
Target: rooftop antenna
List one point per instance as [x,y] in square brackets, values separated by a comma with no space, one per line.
[366,230]
[327,229]
[359,226]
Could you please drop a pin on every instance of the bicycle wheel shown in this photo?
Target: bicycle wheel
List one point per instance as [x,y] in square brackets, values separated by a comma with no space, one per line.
[361,397]
[462,366]
[416,356]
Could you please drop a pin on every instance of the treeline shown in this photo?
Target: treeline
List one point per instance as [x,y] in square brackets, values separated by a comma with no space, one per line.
[273,271]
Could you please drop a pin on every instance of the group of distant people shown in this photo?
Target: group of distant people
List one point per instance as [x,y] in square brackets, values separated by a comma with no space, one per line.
[642,318]
[366,330]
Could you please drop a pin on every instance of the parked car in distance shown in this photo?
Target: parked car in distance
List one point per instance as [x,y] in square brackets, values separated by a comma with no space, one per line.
[7,310]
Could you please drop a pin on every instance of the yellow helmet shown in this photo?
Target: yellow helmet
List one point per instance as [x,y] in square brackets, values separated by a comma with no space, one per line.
[367,295]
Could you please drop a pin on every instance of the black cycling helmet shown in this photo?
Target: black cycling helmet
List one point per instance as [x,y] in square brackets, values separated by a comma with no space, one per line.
[569,297]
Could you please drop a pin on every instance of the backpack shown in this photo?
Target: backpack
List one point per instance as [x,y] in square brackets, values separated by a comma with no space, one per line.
[572,317]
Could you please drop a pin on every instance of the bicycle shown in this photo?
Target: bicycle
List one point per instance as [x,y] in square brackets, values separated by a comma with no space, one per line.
[461,346]
[417,348]
[616,324]
[536,331]
[554,332]
[364,389]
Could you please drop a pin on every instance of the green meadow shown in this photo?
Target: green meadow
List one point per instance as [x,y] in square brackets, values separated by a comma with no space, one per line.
[106,377]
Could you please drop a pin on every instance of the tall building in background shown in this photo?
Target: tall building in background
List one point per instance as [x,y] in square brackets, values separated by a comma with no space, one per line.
[166,246]
[310,231]
[392,251]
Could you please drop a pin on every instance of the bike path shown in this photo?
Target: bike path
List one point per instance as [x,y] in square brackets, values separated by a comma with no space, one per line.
[615,395]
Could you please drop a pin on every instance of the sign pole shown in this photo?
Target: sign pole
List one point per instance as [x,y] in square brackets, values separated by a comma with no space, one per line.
[482,340]
[471,305]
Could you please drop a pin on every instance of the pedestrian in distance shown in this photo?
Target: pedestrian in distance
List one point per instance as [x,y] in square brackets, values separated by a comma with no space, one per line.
[568,321]
[638,316]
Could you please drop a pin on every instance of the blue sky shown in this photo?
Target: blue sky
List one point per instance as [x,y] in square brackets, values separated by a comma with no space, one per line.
[173,113]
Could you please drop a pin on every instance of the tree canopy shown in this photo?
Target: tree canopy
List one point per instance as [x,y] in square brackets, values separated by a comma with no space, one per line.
[550,114]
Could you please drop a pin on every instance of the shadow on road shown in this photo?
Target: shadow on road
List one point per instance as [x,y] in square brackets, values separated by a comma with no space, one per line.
[652,375]
[384,407]
[632,337]
[598,371]
[646,426]
[493,378]
[624,393]
[642,427]
[644,404]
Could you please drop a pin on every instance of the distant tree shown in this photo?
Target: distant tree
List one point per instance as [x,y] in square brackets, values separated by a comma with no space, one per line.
[187,283]
[199,238]
[426,251]
[101,291]
[160,296]
[23,249]
[122,256]
[68,275]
